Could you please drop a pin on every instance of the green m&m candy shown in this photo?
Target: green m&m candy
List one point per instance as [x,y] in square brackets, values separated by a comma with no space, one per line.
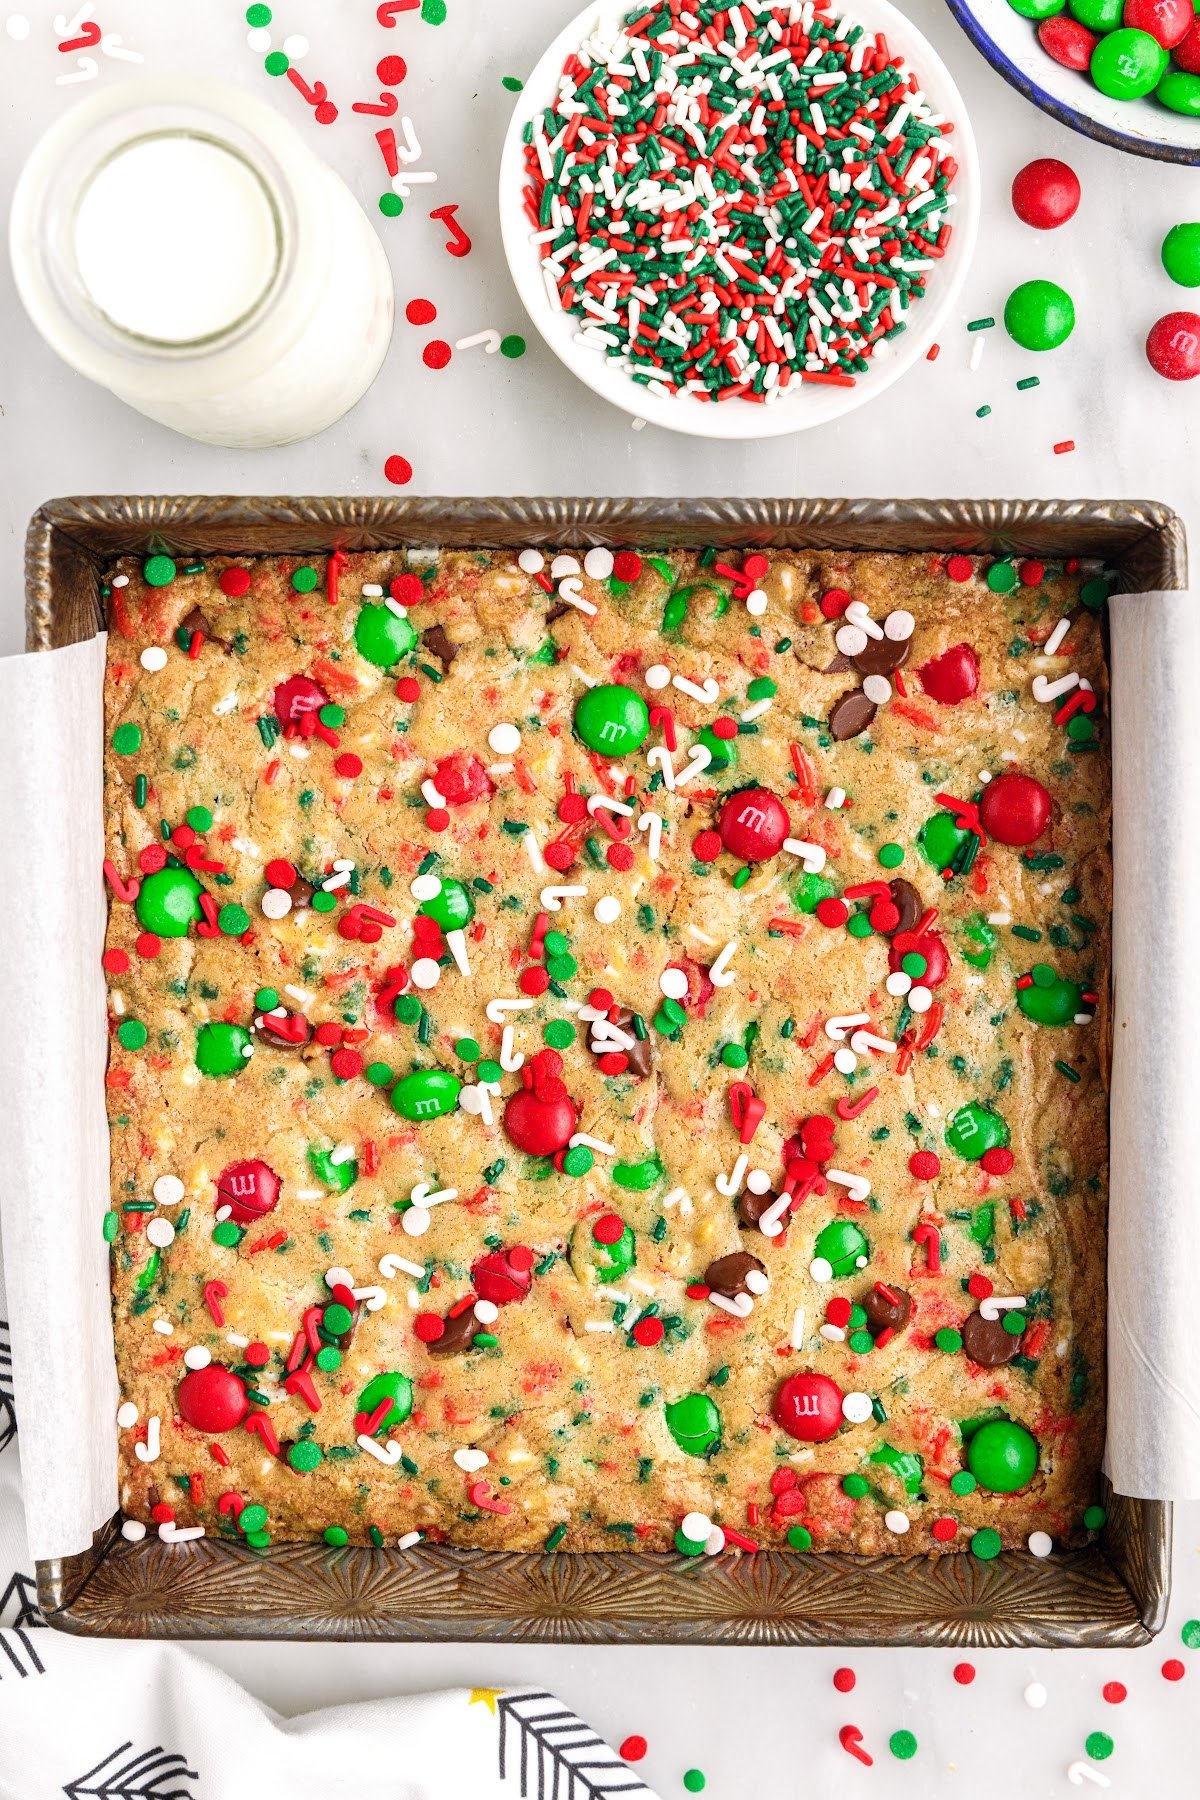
[941,839]
[843,1246]
[1181,254]
[1179,93]
[222,1049]
[1127,64]
[168,902]
[809,892]
[1037,9]
[694,1423]
[383,636]
[614,1247]
[393,1386]
[612,720]
[1039,315]
[452,908]
[336,1175]
[906,1465]
[426,1094]
[1100,16]
[1002,1456]
[1051,1000]
[974,1130]
[722,750]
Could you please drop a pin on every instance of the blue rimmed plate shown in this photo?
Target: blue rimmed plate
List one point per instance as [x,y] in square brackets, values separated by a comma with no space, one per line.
[1010,44]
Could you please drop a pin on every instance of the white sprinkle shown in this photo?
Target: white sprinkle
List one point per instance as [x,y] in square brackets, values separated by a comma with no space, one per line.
[897,1522]
[127,1414]
[425,887]
[534,852]
[132,1530]
[820,1269]
[1040,1543]
[531,561]
[598,563]
[1035,1695]
[197,1357]
[798,1324]
[295,46]
[160,1233]
[673,983]
[920,999]
[607,910]
[425,972]
[856,1408]
[878,689]
[276,903]
[1049,648]
[657,676]
[470,1460]
[168,1190]
[835,798]
[599,1325]
[408,1541]
[153,658]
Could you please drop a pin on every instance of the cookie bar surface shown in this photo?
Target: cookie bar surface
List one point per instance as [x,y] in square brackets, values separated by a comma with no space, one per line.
[608,1045]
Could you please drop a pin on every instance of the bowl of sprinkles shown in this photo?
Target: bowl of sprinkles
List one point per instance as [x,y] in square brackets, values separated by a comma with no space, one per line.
[1126,72]
[739,221]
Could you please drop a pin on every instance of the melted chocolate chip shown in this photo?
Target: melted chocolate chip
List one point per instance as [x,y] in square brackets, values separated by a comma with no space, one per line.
[196,621]
[884,1314]
[987,1343]
[439,645]
[882,655]
[640,1055]
[727,1275]
[907,902]
[558,612]
[851,715]
[459,1335]
[751,1207]
[838,666]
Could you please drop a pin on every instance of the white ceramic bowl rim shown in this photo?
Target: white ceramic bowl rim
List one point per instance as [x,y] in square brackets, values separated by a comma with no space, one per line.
[814,405]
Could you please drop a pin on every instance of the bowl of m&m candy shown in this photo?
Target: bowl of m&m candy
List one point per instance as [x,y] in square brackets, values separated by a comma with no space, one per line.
[1126,72]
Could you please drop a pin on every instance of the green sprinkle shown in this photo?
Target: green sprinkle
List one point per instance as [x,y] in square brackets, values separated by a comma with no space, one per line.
[233,921]
[948,1340]
[1099,1745]
[980,324]
[982,412]
[891,855]
[158,571]
[1190,1633]
[131,1034]
[556,1537]
[799,1537]
[127,740]
[391,205]
[512,346]
[335,1535]
[468,1050]
[1030,381]
[963,1483]
[513,83]
[276,63]
[734,1057]
[1094,1518]
[559,1033]
[986,1544]
[258,16]
[111,1226]
[305,580]
[855,1486]
[1064,1068]
[227,1234]
[199,818]
[902,1743]
[378,1074]
[694,1781]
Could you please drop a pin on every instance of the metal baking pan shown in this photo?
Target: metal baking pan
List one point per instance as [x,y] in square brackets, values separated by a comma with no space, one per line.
[1113,1593]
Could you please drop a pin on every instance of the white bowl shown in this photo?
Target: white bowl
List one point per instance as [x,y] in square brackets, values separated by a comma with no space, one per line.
[812,404]
[1010,43]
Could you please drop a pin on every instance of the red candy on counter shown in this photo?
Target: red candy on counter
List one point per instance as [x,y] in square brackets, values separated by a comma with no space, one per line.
[1046,193]
[1169,21]
[809,1407]
[1015,809]
[1070,44]
[1173,346]
[212,1398]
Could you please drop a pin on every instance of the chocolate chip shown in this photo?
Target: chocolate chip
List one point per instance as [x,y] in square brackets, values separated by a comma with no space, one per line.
[459,1335]
[851,715]
[987,1343]
[887,1308]
[727,1275]
[907,902]
[439,645]
[838,666]
[640,1055]
[558,612]
[196,621]
[882,655]
[752,1206]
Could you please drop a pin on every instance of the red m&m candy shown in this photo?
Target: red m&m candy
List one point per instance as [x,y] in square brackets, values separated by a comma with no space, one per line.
[250,1189]
[1070,44]
[212,1398]
[1167,20]
[809,1407]
[504,1276]
[1015,808]
[1045,193]
[542,1124]
[753,824]
[952,676]
[298,695]
[1187,53]
[1173,346]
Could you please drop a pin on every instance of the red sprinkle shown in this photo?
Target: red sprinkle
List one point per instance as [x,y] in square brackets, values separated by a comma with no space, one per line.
[407,590]
[420,312]
[115,961]
[706,846]
[397,469]
[964,1674]
[844,1680]
[924,1165]
[148,945]
[408,688]
[234,582]
[280,874]
[1114,1692]
[648,1332]
[832,912]
[944,1529]
[348,765]
[436,354]
[1173,1669]
[834,603]
[633,1749]
[627,565]
[533,981]
[959,568]
[997,1161]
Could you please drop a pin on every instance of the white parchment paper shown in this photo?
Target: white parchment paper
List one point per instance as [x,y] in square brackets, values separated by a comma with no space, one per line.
[1154,1220]
[53,1054]
[53,1051]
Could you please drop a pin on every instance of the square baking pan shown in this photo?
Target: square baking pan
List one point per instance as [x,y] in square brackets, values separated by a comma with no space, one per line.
[1112,1593]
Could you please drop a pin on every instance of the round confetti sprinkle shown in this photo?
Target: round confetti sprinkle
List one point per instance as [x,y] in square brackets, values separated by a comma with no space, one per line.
[398,470]
[1098,1745]
[1190,1633]
[959,568]
[964,1673]
[305,580]
[844,1680]
[131,1034]
[512,346]
[1094,1518]
[391,70]
[158,571]
[436,354]
[694,1781]
[799,1537]
[276,63]
[391,205]
[633,1749]
[258,16]
[420,312]
[127,740]
[986,1544]
[1173,1669]
[902,1744]
[1114,1692]
[1035,1696]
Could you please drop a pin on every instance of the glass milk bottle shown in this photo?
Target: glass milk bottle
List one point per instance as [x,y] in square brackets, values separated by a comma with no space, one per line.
[176,241]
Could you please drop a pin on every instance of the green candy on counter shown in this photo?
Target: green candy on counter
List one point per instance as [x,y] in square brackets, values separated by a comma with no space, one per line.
[1002,1456]
[974,1130]
[612,719]
[843,1246]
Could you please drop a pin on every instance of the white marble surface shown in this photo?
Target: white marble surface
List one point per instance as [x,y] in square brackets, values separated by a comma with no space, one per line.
[761,1716]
